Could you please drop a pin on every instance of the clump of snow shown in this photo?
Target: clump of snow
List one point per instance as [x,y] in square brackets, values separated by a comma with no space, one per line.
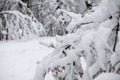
[108,76]
[49,76]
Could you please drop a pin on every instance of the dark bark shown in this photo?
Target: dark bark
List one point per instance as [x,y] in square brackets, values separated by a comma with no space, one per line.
[89,6]
[116,37]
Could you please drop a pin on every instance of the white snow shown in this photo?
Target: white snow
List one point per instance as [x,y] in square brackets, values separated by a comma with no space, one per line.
[18,59]
[91,35]
[49,76]
[108,76]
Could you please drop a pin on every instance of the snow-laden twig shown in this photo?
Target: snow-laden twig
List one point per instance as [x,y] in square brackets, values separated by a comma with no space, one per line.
[47,44]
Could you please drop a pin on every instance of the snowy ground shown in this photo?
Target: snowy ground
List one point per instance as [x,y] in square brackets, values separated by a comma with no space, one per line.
[18,58]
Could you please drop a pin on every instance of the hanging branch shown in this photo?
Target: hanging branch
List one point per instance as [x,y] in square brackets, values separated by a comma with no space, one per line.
[116,37]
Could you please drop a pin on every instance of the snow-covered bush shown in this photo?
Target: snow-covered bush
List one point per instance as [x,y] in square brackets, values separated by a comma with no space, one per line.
[94,37]
[17,21]
[15,25]
[15,5]
[43,9]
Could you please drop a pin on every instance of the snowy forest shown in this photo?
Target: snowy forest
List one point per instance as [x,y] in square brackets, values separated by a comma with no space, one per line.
[59,39]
